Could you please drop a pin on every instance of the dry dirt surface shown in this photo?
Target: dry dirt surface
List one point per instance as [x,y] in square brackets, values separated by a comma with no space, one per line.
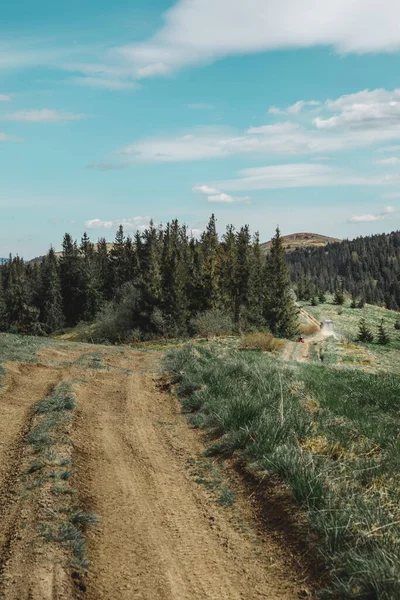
[162,535]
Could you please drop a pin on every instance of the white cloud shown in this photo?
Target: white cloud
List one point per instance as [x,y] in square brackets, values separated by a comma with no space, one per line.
[215,195]
[300,175]
[132,223]
[294,109]
[393,160]
[5,98]
[362,120]
[104,83]
[98,224]
[42,116]
[363,110]
[368,218]
[365,218]
[235,28]
[205,189]
[226,198]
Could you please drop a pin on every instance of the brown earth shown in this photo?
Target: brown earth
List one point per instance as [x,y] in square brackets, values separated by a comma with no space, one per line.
[162,535]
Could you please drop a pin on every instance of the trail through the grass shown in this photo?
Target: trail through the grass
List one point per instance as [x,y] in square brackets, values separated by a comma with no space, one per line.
[162,535]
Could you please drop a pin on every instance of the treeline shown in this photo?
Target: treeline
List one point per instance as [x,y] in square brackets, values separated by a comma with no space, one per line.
[368,268]
[161,282]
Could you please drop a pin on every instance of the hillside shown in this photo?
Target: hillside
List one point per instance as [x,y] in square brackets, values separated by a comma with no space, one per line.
[367,267]
[303,240]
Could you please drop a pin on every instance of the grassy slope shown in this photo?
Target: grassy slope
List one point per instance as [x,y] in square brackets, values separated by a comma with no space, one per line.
[332,432]
[345,349]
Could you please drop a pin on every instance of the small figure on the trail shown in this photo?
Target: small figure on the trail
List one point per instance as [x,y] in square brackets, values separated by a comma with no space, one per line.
[301,338]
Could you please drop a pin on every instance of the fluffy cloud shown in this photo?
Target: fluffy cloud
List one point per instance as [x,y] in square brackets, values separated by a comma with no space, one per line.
[260,25]
[226,198]
[294,109]
[42,116]
[366,218]
[5,98]
[360,120]
[216,196]
[205,189]
[133,223]
[369,218]
[104,83]
[363,110]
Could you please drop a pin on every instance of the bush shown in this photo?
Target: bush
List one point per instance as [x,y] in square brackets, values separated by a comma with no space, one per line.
[397,324]
[261,341]
[212,323]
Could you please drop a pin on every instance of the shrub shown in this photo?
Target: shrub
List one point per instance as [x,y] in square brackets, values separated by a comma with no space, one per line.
[261,341]
[397,324]
[364,333]
[212,323]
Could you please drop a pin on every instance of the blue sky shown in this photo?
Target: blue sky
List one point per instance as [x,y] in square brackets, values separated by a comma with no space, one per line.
[265,112]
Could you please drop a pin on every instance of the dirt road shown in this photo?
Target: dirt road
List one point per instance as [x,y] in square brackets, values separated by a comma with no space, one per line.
[162,536]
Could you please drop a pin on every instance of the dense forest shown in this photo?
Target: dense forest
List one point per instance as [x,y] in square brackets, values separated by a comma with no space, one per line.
[368,268]
[161,282]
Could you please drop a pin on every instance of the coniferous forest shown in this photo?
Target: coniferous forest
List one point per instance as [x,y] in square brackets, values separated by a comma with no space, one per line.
[368,268]
[161,282]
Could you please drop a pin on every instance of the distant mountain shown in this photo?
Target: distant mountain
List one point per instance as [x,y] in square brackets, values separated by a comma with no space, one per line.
[303,240]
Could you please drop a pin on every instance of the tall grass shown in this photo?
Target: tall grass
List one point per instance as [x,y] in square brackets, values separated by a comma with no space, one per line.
[333,434]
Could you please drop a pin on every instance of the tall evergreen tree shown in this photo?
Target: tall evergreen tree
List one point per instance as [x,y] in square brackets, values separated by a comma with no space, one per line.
[280,309]
[51,298]
[383,336]
[364,332]
[71,282]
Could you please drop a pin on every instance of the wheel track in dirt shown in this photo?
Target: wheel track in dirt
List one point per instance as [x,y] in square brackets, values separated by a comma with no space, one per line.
[26,384]
[161,535]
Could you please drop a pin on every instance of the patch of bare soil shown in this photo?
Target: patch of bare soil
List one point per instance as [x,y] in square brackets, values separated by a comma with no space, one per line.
[161,536]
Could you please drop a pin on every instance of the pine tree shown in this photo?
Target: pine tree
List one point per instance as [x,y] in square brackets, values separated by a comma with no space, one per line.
[322,297]
[71,282]
[383,337]
[52,307]
[361,303]
[397,324]
[314,301]
[242,271]
[353,302]
[256,284]
[364,332]
[339,295]
[280,310]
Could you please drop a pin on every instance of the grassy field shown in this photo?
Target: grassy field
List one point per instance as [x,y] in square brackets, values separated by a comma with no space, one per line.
[331,432]
[344,348]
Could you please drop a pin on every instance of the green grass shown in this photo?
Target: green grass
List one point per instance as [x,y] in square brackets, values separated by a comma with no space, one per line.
[21,348]
[51,469]
[372,355]
[331,432]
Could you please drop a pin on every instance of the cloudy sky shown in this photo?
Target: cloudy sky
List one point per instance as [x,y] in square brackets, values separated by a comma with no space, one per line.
[263,112]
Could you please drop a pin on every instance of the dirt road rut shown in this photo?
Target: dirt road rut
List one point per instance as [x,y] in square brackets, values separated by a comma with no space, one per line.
[161,536]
